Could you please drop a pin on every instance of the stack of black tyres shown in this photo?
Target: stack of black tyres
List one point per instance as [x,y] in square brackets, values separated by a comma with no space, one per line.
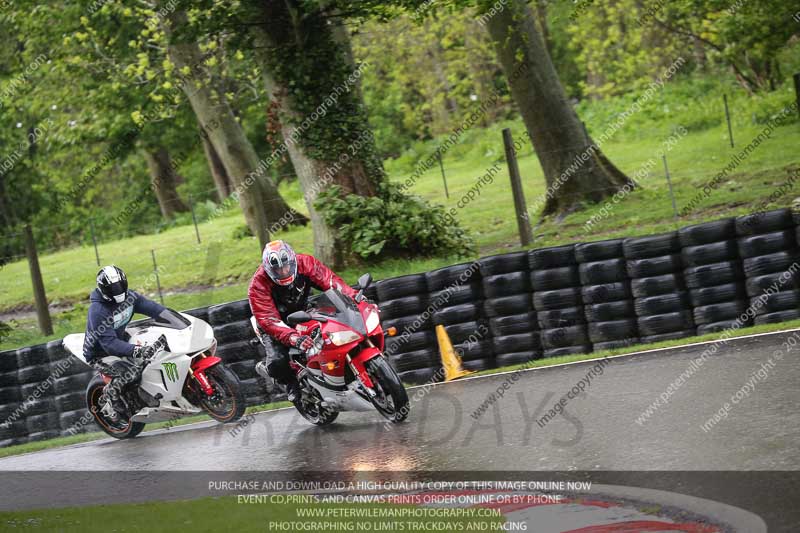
[661,302]
[557,299]
[714,276]
[456,302]
[768,247]
[11,431]
[606,293]
[403,302]
[232,329]
[507,306]
[70,376]
[40,414]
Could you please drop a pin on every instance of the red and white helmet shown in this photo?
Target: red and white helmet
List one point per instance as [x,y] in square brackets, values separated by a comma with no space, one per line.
[280,262]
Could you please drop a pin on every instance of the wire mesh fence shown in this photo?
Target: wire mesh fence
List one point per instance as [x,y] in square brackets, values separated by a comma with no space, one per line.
[207,249]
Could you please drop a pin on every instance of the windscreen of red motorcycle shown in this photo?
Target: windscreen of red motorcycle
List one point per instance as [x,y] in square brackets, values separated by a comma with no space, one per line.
[336,306]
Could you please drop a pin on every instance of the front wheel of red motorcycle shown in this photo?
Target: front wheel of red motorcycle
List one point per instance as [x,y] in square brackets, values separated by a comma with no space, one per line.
[309,406]
[391,399]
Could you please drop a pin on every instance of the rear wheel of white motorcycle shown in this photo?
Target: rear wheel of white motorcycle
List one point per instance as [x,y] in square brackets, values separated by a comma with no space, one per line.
[119,429]
[227,403]
[308,405]
[391,399]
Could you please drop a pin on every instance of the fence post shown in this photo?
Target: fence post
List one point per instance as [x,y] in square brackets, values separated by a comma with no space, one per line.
[669,182]
[728,118]
[42,311]
[194,219]
[158,281]
[94,241]
[444,178]
[797,90]
[523,224]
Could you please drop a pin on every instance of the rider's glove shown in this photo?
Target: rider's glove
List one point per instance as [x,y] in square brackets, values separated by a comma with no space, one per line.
[302,342]
[143,352]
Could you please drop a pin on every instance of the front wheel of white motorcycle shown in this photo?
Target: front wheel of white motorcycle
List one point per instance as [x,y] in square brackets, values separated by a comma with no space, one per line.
[117,428]
[391,399]
[226,404]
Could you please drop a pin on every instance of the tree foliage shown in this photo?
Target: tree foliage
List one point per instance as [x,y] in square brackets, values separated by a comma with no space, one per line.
[90,83]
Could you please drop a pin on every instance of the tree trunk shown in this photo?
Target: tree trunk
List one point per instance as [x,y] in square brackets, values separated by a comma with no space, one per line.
[163,180]
[541,16]
[575,170]
[331,148]
[261,203]
[221,180]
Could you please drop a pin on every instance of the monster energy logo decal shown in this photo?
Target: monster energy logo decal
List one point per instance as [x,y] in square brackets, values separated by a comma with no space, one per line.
[171,370]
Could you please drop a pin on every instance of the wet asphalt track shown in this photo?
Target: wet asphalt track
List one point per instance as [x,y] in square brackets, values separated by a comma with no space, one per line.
[598,431]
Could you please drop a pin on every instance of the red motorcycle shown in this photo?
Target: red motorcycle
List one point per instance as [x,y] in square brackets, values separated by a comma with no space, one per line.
[346,369]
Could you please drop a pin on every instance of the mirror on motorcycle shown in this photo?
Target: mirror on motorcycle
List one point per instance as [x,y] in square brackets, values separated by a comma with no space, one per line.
[298,317]
[364,281]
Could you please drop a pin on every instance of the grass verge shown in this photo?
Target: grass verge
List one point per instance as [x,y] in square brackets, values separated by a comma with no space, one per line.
[228,514]
[538,363]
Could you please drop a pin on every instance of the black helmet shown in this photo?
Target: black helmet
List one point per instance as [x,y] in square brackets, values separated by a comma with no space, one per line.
[113,283]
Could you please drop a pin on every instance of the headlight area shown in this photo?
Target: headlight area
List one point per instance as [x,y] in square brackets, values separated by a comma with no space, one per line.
[340,338]
[373,321]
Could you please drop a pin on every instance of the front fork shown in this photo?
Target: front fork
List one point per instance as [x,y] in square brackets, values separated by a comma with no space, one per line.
[198,371]
[358,366]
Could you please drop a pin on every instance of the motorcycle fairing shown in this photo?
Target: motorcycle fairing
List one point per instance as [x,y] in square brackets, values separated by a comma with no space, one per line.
[166,375]
[196,337]
[358,364]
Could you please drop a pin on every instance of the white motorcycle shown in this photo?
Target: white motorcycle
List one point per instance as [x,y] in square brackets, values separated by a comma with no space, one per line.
[182,377]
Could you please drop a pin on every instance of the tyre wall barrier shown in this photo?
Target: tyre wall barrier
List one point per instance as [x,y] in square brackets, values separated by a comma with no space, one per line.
[606,292]
[499,310]
[658,286]
[508,322]
[557,299]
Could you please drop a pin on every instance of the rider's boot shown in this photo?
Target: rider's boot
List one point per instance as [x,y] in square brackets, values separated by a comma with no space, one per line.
[261,370]
[269,381]
[293,390]
[112,404]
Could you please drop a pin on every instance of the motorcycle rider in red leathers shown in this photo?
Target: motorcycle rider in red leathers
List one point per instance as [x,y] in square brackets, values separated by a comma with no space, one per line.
[279,287]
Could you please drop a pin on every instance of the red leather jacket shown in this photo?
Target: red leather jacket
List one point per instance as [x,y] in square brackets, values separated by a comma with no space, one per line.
[263,299]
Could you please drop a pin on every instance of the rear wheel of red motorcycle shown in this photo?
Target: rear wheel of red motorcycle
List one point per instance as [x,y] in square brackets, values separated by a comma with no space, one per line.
[227,402]
[309,408]
[391,399]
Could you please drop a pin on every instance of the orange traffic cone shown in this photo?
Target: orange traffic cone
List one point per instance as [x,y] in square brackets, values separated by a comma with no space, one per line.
[450,359]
